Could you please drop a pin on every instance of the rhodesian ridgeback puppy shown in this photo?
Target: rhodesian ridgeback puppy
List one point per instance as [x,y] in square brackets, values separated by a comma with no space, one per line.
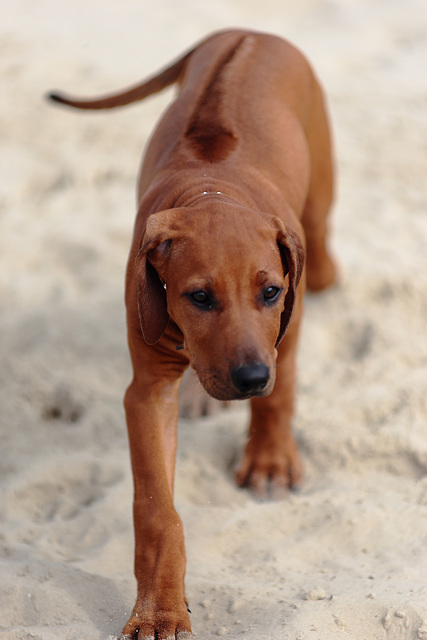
[234,192]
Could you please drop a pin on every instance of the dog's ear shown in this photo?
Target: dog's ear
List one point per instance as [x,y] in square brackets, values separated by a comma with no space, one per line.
[151,298]
[293,257]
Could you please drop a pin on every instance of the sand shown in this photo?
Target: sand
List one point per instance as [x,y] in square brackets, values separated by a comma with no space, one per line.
[346,556]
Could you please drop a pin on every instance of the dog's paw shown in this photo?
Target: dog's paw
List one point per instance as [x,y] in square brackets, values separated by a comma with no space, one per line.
[161,625]
[269,473]
[194,402]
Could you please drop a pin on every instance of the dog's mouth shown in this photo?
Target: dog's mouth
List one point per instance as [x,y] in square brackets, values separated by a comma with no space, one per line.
[244,382]
[229,394]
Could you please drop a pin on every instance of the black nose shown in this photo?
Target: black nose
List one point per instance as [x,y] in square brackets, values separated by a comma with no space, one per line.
[250,378]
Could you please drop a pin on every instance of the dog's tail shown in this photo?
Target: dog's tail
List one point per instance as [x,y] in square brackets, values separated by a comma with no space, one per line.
[133,94]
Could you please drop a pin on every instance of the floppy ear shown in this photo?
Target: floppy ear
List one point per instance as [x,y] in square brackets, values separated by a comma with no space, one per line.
[151,297]
[293,257]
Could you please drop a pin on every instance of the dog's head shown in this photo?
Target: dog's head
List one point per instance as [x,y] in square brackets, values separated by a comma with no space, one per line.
[227,277]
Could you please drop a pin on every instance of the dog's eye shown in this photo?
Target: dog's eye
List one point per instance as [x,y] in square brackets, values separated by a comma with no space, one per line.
[271,294]
[201,299]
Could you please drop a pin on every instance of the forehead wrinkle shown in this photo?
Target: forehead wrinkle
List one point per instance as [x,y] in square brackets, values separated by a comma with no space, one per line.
[199,281]
[236,266]
[226,261]
[261,277]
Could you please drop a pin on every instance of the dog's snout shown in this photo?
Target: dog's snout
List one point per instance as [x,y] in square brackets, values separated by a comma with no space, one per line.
[250,378]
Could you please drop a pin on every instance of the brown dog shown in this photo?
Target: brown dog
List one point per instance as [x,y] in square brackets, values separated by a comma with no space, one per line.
[234,190]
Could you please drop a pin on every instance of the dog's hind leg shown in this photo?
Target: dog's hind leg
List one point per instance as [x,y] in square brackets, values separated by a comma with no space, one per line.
[320,267]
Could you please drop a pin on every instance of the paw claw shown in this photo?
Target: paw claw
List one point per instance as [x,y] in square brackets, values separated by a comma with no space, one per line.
[269,477]
[161,625]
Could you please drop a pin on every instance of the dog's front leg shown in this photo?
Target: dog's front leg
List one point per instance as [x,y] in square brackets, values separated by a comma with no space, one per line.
[271,463]
[151,404]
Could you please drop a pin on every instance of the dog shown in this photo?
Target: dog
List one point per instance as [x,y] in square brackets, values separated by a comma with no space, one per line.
[233,198]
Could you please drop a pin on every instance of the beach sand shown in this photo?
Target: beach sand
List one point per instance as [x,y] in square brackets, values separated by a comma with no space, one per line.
[345,556]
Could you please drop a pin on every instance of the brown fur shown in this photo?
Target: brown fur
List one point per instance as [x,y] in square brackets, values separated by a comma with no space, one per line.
[235,189]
